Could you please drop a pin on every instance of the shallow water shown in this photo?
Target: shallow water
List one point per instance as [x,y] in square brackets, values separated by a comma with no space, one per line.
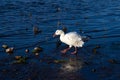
[98,19]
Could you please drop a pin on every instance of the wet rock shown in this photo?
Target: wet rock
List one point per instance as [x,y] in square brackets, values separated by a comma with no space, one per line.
[37,54]
[4,46]
[27,50]
[37,49]
[9,50]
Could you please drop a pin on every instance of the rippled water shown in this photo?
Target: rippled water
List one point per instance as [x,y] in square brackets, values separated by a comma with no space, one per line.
[99,19]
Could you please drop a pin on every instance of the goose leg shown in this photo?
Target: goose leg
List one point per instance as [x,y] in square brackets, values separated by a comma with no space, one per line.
[74,51]
[65,50]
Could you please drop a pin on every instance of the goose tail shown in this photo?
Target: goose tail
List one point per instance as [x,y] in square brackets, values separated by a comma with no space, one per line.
[80,43]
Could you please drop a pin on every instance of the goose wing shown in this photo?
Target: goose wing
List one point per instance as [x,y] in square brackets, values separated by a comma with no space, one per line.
[73,36]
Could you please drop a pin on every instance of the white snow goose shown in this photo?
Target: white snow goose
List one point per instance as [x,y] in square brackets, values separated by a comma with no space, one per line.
[71,39]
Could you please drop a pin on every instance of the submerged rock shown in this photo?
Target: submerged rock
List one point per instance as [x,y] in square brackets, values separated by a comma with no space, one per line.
[19,60]
[59,61]
[36,30]
[95,49]
[113,61]
[18,57]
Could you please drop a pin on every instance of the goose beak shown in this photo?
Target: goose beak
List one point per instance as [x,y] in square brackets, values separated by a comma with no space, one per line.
[54,35]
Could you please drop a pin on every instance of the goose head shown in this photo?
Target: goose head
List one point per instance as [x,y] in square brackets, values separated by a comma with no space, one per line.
[58,32]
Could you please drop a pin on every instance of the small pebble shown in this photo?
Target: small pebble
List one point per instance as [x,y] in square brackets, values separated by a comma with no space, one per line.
[37,54]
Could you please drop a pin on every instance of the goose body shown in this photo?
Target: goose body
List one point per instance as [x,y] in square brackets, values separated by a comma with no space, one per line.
[71,39]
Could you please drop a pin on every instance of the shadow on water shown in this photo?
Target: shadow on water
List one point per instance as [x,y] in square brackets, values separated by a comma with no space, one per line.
[98,20]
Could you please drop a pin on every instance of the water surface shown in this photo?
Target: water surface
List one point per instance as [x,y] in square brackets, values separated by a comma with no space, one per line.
[99,19]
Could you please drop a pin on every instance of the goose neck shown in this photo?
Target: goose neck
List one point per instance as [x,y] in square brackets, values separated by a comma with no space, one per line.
[62,34]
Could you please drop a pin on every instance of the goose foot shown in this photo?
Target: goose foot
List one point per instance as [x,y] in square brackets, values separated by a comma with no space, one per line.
[65,50]
[75,52]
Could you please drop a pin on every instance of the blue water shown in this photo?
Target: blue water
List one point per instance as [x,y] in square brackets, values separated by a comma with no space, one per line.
[99,19]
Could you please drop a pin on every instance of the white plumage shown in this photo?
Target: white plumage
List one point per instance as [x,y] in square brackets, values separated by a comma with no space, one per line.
[71,39]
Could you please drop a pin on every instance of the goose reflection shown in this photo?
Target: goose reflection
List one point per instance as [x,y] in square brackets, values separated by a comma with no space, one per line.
[73,64]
